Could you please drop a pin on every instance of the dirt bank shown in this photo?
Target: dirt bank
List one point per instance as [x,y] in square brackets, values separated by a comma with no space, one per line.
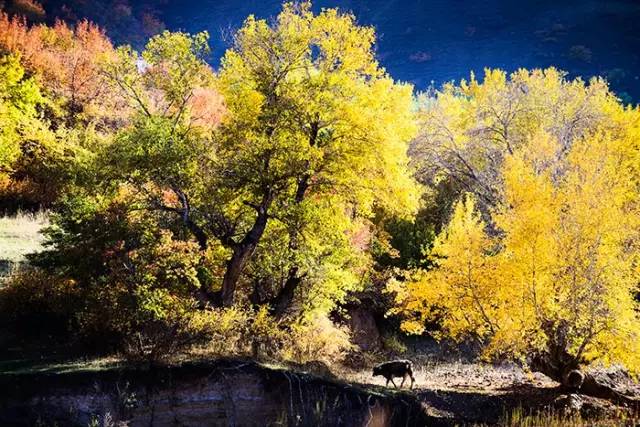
[245,393]
[222,393]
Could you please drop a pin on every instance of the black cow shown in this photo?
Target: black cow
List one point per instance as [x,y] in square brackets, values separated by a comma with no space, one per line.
[395,369]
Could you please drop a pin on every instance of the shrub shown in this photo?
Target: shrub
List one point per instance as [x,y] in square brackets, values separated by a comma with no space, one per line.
[266,335]
[146,300]
[317,339]
[393,344]
[228,328]
[34,302]
[155,336]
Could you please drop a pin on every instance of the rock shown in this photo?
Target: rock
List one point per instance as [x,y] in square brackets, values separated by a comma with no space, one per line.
[568,403]
[587,407]
[599,409]
[365,333]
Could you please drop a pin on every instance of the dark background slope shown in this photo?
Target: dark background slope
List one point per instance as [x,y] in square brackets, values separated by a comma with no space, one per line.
[422,41]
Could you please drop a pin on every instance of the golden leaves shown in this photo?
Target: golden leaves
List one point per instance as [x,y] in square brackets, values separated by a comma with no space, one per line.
[557,268]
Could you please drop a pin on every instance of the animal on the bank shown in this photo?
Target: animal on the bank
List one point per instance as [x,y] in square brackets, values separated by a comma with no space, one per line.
[395,369]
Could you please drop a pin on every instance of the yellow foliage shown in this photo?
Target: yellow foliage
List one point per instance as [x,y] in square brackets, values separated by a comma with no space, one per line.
[323,69]
[228,329]
[316,339]
[239,330]
[461,280]
[467,130]
[559,276]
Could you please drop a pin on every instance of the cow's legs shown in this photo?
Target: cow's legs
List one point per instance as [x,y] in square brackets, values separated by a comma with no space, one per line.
[387,384]
[404,377]
[394,384]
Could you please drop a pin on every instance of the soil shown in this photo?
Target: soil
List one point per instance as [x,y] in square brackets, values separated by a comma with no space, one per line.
[469,393]
[243,392]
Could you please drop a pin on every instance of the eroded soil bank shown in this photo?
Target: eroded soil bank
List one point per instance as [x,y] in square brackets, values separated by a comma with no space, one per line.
[222,393]
[245,393]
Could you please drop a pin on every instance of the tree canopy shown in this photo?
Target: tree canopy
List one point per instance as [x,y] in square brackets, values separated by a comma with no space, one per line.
[250,202]
[548,275]
[313,136]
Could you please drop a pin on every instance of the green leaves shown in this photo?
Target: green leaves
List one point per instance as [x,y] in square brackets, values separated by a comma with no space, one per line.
[19,99]
[260,180]
[163,78]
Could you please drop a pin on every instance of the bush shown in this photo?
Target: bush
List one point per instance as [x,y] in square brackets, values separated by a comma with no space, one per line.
[253,332]
[146,301]
[228,330]
[111,279]
[317,339]
[153,338]
[35,303]
[115,280]
[393,344]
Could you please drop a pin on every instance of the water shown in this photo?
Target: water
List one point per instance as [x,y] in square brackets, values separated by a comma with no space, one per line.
[424,41]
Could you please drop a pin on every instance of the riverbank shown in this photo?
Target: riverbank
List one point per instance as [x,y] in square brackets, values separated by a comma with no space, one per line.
[220,393]
[247,393]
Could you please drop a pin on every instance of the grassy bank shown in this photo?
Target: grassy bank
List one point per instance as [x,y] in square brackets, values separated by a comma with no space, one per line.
[20,235]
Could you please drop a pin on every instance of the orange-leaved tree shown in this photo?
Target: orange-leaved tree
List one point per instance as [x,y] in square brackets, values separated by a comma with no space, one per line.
[67,63]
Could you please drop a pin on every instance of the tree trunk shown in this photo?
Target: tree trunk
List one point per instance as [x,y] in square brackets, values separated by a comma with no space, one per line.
[557,368]
[572,379]
[286,294]
[242,251]
[235,265]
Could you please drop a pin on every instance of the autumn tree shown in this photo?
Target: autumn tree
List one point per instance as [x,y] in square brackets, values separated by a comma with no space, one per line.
[326,128]
[32,164]
[66,61]
[79,114]
[556,287]
[467,130]
[314,136]
[538,264]
[19,98]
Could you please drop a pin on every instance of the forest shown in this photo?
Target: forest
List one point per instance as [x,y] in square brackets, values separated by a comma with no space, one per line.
[259,208]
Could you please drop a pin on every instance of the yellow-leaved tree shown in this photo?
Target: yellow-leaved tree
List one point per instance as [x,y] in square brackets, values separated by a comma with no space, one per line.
[281,191]
[556,286]
[467,130]
[461,279]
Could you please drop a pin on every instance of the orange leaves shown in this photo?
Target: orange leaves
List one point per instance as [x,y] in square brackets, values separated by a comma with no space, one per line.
[207,107]
[360,237]
[65,60]
[14,34]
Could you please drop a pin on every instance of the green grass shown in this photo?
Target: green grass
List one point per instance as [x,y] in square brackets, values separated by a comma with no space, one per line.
[20,234]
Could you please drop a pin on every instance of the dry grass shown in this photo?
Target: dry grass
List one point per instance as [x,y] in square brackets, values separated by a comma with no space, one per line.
[31,366]
[20,234]
[519,418]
